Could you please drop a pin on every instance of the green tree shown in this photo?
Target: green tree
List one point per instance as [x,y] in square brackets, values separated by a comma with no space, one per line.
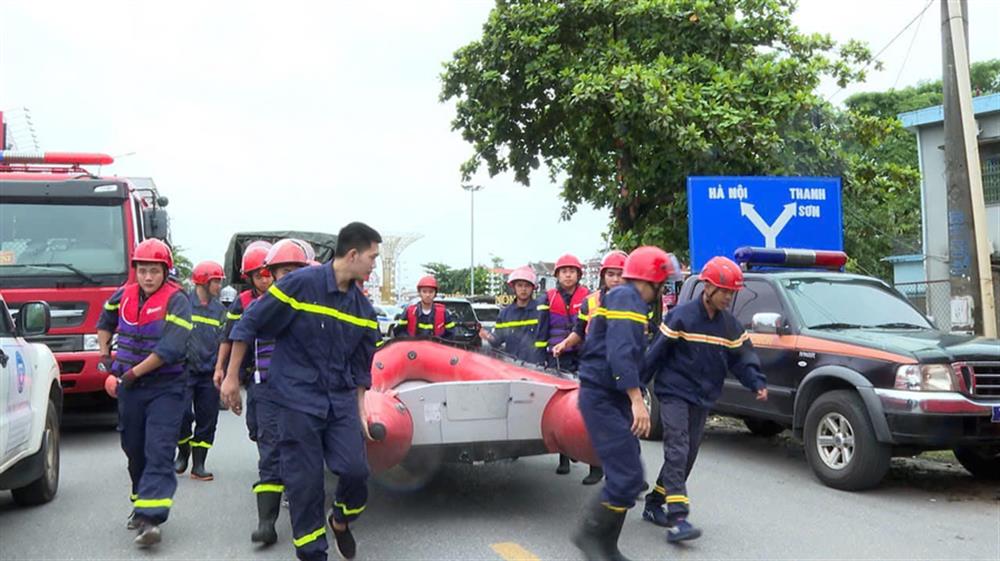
[621,100]
[182,263]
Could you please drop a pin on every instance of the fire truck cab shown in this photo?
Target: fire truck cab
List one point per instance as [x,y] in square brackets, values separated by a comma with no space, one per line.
[66,238]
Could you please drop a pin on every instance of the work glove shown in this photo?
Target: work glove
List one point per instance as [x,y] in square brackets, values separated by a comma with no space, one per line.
[104,364]
[128,379]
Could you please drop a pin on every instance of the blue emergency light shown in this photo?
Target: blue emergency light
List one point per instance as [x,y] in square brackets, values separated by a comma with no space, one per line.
[750,257]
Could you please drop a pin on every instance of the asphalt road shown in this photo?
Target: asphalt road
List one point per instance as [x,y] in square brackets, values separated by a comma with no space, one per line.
[754,498]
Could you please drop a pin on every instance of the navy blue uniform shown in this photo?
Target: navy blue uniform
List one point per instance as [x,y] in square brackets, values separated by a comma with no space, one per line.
[516,331]
[233,315]
[609,366]
[201,394]
[150,411]
[324,342]
[689,358]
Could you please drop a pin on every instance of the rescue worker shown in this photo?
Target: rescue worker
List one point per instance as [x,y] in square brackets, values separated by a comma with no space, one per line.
[256,274]
[563,304]
[698,342]
[207,316]
[152,318]
[284,257]
[610,277]
[515,327]
[611,398]
[325,332]
[426,317]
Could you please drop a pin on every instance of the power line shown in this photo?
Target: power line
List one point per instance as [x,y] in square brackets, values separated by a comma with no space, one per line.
[889,44]
[916,31]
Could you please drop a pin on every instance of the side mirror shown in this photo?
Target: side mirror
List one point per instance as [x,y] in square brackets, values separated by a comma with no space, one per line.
[155,223]
[768,322]
[33,319]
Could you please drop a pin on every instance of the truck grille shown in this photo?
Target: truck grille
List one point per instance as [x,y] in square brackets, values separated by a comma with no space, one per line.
[985,379]
[60,343]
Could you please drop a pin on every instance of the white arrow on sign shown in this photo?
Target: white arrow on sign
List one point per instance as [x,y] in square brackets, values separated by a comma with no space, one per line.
[769,231]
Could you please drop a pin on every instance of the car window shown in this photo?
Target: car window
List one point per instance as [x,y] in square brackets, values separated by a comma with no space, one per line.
[461,311]
[756,297]
[851,302]
[487,314]
[6,329]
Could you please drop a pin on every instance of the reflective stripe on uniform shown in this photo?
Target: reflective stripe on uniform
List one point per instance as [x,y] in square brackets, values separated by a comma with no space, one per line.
[620,315]
[541,344]
[111,307]
[403,322]
[613,508]
[179,321]
[701,338]
[542,307]
[449,325]
[513,324]
[201,444]
[349,511]
[184,441]
[133,497]
[320,309]
[268,488]
[425,325]
[209,321]
[678,499]
[153,503]
[232,316]
[660,490]
[309,538]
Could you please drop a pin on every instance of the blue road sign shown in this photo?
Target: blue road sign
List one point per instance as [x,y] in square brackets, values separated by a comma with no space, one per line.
[725,213]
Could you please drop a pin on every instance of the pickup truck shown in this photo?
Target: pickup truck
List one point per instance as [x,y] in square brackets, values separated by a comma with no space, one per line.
[858,373]
[31,399]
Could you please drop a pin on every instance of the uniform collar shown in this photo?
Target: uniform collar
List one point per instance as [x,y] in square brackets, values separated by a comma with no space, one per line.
[331,278]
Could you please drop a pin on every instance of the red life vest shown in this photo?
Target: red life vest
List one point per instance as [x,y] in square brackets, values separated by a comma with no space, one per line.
[140,328]
[246,297]
[411,320]
[593,302]
[561,320]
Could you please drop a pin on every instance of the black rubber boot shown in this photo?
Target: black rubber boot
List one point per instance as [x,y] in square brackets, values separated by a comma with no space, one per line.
[563,468]
[268,506]
[597,535]
[198,471]
[183,452]
[594,477]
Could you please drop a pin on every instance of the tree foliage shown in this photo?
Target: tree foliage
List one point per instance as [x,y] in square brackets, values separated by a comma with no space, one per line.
[621,100]
[182,263]
[456,281]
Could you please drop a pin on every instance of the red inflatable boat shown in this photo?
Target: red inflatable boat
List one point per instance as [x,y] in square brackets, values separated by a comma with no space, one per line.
[468,407]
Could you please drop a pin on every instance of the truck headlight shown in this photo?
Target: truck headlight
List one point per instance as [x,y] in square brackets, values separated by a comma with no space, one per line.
[90,342]
[925,377]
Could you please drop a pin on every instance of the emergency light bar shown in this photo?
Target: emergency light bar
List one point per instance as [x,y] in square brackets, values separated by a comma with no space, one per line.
[807,258]
[58,158]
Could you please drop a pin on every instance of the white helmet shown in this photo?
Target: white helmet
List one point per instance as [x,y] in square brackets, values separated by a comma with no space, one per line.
[227,295]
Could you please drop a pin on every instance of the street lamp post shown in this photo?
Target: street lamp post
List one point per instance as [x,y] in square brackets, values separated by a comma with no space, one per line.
[472,235]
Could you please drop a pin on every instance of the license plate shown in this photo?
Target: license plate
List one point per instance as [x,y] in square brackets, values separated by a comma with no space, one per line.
[996,414]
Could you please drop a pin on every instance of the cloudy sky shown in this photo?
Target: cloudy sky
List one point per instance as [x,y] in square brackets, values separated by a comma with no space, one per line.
[307,115]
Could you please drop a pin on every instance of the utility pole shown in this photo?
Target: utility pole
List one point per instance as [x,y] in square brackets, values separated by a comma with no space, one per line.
[968,245]
[472,235]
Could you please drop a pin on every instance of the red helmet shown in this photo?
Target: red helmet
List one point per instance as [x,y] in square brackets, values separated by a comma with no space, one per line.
[207,271]
[569,260]
[427,282]
[613,260]
[650,264]
[522,274]
[153,251]
[723,273]
[253,257]
[289,252]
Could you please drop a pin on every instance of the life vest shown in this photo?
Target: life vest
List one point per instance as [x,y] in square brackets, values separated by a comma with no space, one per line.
[262,351]
[593,302]
[411,320]
[561,319]
[246,297]
[140,328]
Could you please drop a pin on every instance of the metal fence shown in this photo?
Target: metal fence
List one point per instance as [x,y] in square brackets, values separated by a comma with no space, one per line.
[933,298]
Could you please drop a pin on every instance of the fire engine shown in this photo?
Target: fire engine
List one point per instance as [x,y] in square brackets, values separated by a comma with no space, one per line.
[66,238]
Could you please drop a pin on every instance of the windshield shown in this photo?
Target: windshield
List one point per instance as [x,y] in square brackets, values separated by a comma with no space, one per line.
[461,311]
[487,314]
[825,303]
[61,240]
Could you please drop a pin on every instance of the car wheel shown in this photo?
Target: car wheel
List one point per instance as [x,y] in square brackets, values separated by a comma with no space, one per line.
[653,406]
[983,462]
[43,489]
[840,443]
[762,427]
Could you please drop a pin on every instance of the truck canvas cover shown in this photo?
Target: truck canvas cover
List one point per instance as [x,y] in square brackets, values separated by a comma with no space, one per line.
[324,244]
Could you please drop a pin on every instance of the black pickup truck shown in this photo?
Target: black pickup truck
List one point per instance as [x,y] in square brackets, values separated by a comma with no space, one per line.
[860,375]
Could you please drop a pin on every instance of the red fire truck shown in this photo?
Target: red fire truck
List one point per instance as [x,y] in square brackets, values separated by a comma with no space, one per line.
[67,237]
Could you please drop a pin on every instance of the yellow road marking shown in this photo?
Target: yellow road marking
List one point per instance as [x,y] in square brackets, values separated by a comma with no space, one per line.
[511,551]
